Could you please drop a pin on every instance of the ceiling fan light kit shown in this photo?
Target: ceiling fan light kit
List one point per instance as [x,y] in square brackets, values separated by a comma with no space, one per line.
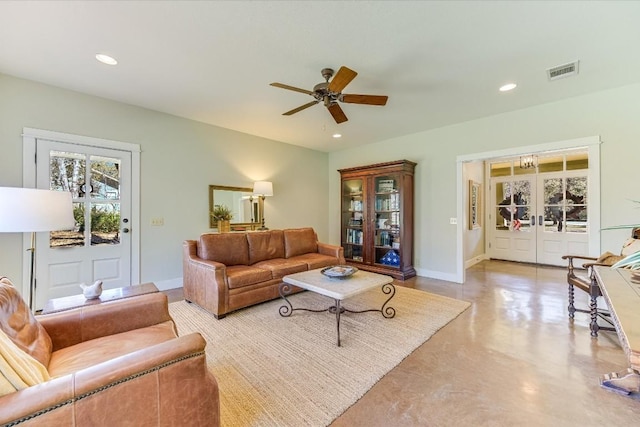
[330,94]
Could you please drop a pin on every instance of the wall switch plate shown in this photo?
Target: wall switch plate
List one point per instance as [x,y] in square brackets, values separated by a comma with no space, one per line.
[157,222]
[453,221]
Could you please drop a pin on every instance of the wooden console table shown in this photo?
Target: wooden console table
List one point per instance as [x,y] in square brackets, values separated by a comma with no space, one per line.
[75,301]
[622,295]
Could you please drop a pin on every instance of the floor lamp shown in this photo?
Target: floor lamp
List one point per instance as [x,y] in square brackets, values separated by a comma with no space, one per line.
[24,210]
[263,189]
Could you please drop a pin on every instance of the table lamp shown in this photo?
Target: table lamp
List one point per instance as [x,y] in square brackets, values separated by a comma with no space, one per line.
[263,189]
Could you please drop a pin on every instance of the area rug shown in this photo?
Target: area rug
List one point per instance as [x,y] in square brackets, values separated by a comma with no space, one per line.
[279,371]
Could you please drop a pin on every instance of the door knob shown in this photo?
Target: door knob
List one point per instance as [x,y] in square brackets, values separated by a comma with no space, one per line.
[125,230]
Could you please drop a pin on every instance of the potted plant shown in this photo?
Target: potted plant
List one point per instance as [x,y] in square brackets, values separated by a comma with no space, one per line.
[223,215]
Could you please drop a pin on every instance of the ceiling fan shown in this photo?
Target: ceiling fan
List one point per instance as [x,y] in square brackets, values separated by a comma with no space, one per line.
[330,92]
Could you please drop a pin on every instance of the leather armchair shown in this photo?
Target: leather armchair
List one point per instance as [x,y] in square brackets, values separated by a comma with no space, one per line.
[115,363]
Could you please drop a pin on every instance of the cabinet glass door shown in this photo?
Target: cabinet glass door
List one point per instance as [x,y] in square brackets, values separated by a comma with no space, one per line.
[353,219]
[387,221]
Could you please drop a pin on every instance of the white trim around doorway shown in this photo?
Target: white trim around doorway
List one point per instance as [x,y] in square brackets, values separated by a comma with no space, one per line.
[29,137]
[592,143]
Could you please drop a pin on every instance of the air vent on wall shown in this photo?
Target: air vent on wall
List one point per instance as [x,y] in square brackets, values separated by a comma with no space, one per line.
[562,71]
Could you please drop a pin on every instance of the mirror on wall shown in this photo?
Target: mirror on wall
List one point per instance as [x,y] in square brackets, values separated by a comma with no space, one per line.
[245,207]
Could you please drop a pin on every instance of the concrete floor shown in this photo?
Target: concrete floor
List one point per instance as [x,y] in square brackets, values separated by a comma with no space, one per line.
[512,359]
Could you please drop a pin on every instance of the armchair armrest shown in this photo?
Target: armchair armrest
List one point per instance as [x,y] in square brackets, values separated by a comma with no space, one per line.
[70,327]
[164,384]
[332,250]
[204,281]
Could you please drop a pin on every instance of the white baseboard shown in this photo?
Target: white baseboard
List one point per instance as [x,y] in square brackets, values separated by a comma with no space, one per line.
[165,285]
[473,261]
[449,277]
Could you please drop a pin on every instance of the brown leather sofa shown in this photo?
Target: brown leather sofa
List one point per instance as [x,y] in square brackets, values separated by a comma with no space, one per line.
[228,271]
[117,363]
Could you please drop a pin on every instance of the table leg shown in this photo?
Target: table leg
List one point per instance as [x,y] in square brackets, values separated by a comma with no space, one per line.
[338,312]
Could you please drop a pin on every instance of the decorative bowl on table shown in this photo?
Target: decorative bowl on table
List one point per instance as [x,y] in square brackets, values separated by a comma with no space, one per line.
[338,271]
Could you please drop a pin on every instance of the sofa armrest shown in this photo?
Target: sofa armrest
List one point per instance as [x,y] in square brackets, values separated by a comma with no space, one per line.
[332,250]
[204,281]
[70,327]
[164,384]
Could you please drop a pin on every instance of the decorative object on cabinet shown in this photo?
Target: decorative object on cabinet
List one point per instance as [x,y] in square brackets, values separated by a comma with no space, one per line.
[377,217]
[475,205]
[263,189]
[243,205]
[30,210]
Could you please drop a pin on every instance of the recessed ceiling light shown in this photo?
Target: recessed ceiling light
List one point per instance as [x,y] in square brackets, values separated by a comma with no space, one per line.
[106,59]
[508,87]
[337,135]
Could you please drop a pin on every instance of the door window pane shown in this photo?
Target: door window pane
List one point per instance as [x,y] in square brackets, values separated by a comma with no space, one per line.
[553,205]
[70,238]
[66,172]
[105,223]
[105,178]
[576,205]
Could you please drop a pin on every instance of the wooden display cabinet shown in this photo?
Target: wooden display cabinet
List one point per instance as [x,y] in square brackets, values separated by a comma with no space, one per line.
[377,217]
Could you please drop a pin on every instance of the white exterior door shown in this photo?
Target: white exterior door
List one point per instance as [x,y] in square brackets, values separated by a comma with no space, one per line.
[99,248]
[539,216]
[561,216]
[512,219]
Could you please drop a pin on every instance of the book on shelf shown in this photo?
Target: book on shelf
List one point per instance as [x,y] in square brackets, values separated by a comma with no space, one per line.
[385,185]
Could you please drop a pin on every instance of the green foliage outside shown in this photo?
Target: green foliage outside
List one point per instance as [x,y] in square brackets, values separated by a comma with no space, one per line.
[101,221]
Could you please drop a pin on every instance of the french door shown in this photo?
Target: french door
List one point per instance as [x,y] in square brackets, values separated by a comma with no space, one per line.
[538,218]
[99,247]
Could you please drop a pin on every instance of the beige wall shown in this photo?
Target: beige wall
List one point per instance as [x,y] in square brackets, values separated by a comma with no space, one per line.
[179,159]
[612,114]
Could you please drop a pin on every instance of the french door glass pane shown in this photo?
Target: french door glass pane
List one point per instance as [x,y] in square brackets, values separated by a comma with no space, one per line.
[70,238]
[513,210]
[576,205]
[105,178]
[553,205]
[105,223]
[67,172]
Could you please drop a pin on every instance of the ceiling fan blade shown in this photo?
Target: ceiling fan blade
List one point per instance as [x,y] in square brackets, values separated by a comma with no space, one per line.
[302,107]
[337,113]
[342,78]
[296,89]
[364,99]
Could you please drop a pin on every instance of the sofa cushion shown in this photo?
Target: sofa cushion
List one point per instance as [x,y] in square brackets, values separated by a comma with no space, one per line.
[89,353]
[20,325]
[239,276]
[314,260]
[265,245]
[298,241]
[226,248]
[280,267]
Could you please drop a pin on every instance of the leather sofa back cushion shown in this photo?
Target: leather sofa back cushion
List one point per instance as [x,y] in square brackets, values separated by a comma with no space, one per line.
[298,241]
[226,248]
[20,325]
[265,245]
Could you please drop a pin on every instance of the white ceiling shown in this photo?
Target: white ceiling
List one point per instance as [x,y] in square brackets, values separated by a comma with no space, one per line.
[440,63]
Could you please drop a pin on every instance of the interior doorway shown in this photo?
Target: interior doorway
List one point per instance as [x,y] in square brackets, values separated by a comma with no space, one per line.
[589,144]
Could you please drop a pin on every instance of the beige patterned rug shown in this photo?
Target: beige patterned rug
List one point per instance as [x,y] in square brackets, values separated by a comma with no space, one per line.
[277,371]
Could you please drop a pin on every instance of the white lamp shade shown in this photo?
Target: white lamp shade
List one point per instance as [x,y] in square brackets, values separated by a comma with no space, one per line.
[263,188]
[31,210]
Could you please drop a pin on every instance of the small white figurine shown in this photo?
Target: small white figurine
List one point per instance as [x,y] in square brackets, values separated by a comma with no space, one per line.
[92,291]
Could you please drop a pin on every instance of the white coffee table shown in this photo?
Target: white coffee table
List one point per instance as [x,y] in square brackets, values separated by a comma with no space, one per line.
[339,290]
